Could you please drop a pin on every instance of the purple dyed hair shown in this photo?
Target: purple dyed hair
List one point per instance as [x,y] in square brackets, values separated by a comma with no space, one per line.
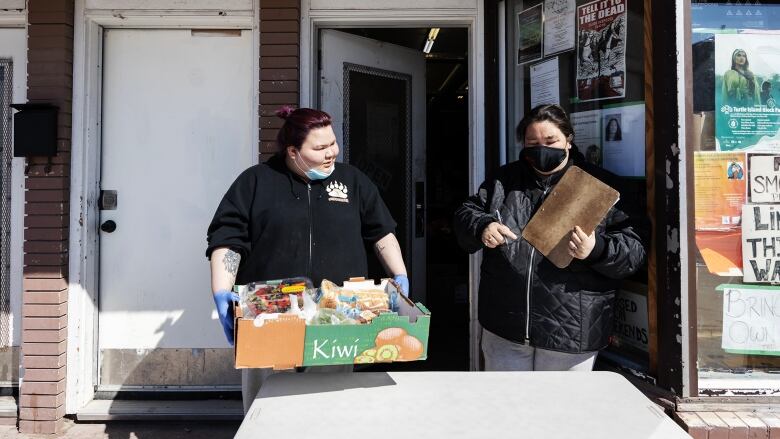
[297,125]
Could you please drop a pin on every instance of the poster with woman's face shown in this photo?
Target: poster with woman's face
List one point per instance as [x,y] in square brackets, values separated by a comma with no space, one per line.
[612,130]
[623,139]
[747,83]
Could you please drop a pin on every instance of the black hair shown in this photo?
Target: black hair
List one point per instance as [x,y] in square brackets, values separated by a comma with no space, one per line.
[618,133]
[546,113]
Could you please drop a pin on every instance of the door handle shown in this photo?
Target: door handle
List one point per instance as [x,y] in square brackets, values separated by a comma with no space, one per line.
[107,200]
[108,226]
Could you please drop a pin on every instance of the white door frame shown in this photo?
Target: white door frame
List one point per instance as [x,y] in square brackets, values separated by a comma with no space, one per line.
[420,13]
[82,351]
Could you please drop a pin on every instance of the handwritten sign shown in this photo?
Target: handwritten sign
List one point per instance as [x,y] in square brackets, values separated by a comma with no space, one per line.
[761,243]
[764,178]
[630,324]
[751,320]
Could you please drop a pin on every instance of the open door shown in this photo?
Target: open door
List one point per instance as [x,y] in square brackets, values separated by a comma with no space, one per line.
[375,92]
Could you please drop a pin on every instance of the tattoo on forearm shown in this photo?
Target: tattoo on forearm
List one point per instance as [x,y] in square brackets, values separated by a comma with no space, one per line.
[381,247]
[231,261]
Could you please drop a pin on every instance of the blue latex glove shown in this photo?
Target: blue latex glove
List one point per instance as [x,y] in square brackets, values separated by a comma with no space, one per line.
[403,281]
[224,300]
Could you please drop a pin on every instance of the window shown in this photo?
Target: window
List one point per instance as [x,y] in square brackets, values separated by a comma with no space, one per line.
[736,162]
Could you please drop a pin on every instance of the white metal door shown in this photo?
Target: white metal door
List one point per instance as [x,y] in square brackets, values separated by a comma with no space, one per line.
[375,92]
[13,87]
[177,129]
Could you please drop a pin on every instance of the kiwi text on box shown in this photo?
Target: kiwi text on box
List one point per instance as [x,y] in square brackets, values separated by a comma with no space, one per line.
[287,341]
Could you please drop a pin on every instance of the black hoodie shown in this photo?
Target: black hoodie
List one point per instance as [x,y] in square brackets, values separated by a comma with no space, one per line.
[283,227]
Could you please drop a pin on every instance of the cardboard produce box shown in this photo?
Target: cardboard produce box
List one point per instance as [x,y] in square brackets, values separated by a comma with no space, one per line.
[286,341]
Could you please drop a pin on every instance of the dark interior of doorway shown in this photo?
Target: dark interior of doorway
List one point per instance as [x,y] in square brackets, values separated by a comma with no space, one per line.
[447,173]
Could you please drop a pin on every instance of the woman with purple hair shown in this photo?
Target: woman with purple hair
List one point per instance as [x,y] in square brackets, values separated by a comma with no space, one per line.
[301,213]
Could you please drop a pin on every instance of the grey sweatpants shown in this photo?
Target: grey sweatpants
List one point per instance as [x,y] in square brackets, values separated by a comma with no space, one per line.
[252,379]
[505,355]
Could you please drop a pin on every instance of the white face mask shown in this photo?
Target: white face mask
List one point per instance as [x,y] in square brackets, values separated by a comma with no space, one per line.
[313,173]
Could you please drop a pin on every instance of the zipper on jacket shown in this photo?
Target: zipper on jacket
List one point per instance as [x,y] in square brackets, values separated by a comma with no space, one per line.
[311,230]
[528,285]
[528,297]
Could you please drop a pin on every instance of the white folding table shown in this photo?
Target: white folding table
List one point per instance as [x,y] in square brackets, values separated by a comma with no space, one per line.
[428,405]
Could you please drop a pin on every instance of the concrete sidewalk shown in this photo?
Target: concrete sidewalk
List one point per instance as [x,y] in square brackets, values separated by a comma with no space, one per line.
[135,430]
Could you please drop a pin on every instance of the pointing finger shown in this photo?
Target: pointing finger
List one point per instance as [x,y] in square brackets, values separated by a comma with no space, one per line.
[506,231]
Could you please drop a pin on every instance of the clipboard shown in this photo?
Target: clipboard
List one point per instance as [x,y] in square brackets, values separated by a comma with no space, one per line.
[578,199]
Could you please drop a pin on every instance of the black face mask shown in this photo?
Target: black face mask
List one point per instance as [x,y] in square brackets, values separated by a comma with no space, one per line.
[543,158]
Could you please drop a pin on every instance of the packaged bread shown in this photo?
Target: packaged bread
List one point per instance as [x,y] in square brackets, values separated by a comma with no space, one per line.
[368,299]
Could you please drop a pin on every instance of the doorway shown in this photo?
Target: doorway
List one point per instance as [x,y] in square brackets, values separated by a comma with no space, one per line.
[402,117]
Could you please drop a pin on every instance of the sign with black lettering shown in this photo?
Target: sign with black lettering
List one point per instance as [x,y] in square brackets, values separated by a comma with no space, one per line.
[601,50]
[764,171]
[630,323]
[751,319]
[761,243]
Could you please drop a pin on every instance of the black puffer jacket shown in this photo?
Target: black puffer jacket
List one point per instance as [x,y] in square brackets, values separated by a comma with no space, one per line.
[570,309]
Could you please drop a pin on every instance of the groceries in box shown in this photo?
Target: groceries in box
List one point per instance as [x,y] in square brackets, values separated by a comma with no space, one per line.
[328,304]
[289,322]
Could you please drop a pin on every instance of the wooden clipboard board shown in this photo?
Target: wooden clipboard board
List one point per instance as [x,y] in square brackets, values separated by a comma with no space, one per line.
[578,199]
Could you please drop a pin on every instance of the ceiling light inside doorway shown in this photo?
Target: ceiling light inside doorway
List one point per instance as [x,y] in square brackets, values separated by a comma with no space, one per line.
[432,34]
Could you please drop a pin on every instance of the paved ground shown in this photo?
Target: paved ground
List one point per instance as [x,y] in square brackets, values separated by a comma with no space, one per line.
[135,430]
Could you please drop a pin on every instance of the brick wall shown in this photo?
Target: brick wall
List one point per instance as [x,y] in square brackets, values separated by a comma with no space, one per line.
[730,425]
[45,285]
[279,64]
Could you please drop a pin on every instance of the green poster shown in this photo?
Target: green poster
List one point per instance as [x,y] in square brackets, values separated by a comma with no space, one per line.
[747,83]
[529,35]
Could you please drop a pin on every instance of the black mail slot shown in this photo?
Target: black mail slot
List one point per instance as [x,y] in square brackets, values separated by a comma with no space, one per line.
[35,130]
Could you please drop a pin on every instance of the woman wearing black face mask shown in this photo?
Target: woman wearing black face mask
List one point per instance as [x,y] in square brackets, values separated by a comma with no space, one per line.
[535,315]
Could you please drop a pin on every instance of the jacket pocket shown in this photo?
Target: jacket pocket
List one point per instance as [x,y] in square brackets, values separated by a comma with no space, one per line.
[597,311]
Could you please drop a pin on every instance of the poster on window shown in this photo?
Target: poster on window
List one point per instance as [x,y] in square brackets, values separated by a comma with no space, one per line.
[544,82]
[559,35]
[529,35]
[587,134]
[751,319]
[721,251]
[719,188]
[747,83]
[761,243]
[630,319]
[623,141]
[720,182]
[764,181]
[601,50]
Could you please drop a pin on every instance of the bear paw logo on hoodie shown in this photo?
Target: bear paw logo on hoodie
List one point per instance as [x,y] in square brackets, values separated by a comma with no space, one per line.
[337,192]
